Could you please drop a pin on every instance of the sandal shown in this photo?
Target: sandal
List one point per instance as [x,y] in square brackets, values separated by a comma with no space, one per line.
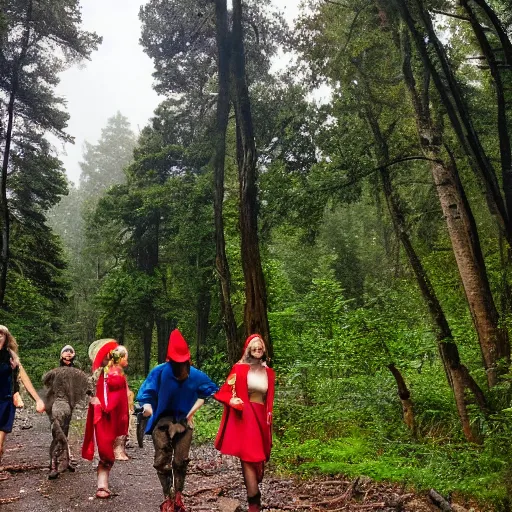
[103,494]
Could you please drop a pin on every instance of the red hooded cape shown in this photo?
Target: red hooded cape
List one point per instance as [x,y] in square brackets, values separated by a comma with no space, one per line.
[246,434]
[108,420]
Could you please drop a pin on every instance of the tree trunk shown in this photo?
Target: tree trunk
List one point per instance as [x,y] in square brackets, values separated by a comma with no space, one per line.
[219,159]
[4,204]
[255,312]
[453,101]
[461,225]
[457,374]
[503,132]
[164,327]
[147,340]
[202,320]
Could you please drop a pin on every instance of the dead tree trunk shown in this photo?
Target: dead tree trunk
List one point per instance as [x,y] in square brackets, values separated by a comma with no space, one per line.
[461,226]
[255,312]
[405,398]
[219,159]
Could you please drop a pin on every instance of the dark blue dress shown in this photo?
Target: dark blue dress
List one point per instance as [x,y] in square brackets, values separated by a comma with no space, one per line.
[7,408]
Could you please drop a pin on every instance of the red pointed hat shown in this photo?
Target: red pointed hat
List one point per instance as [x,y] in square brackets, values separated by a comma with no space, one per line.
[177,350]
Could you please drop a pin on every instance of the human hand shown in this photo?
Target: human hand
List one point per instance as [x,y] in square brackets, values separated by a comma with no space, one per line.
[95,401]
[237,403]
[40,405]
[17,400]
[190,422]
[148,410]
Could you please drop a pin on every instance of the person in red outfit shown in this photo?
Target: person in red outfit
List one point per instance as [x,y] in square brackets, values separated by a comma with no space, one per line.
[246,427]
[107,417]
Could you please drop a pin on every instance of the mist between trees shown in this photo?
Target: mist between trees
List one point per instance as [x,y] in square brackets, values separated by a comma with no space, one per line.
[368,239]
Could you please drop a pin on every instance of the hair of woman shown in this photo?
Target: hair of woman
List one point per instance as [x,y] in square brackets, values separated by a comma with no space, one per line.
[246,358]
[11,344]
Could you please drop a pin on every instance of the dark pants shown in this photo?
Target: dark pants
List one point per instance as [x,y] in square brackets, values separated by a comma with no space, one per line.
[172,441]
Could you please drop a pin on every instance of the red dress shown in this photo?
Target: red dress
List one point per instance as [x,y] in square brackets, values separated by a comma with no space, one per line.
[108,420]
[246,434]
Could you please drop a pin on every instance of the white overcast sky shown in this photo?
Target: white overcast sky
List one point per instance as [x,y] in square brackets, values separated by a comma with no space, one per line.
[118,76]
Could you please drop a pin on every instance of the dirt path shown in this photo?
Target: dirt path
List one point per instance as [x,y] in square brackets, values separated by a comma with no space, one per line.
[213,483]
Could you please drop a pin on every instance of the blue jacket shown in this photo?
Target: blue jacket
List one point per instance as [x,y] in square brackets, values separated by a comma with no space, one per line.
[171,397]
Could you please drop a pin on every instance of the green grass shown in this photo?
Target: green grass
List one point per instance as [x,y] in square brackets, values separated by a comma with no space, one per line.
[461,469]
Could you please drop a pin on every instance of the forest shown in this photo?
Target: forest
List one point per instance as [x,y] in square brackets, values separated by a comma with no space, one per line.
[365,234]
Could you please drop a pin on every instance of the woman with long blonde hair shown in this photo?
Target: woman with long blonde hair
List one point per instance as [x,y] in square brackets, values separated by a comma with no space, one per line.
[108,415]
[246,427]
[10,370]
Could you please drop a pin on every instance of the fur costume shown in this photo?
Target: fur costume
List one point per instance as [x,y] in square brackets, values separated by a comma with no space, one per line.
[66,386]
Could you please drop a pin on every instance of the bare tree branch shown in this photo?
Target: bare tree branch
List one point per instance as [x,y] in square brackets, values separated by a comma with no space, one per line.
[450,15]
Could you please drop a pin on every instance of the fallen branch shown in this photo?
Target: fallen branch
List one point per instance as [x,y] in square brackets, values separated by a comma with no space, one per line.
[439,501]
[4,501]
[287,507]
[217,490]
[346,496]
[20,468]
[334,482]
[370,505]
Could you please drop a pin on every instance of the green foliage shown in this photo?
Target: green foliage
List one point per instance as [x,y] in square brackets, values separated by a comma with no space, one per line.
[124,297]
[206,422]
[450,468]
[30,316]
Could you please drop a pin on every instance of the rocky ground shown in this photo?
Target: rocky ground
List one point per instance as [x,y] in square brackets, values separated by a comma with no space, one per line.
[214,483]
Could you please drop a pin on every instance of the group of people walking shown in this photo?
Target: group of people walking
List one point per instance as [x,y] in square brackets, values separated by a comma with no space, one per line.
[170,396]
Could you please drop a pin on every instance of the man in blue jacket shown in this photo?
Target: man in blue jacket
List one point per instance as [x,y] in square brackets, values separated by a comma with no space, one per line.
[171,395]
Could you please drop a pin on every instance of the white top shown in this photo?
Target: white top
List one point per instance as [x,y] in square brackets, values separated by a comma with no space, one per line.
[257,382]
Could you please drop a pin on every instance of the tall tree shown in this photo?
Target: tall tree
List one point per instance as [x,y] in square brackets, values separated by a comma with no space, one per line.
[460,222]
[104,162]
[223,38]
[255,313]
[187,47]
[42,38]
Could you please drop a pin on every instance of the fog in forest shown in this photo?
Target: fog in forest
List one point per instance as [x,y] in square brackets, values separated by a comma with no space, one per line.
[118,77]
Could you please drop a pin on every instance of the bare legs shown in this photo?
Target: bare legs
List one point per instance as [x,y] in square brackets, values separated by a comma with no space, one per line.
[120,448]
[103,474]
[2,441]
